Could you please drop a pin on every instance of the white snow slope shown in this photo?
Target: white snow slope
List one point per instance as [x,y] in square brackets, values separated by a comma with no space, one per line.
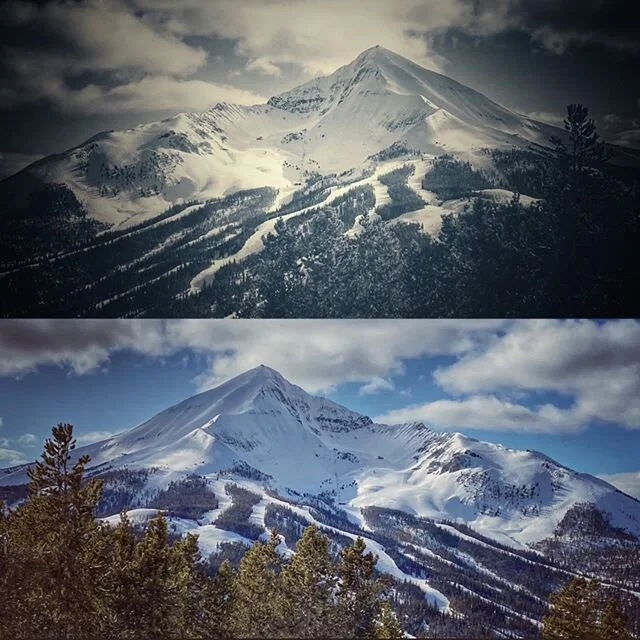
[329,124]
[310,444]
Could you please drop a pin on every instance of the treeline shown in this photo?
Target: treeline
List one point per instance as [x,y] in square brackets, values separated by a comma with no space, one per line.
[572,253]
[586,541]
[450,179]
[236,517]
[63,574]
[586,610]
[403,198]
[187,498]
[124,272]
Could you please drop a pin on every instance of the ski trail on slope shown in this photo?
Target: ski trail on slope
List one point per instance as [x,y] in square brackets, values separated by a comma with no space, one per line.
[386,564]
[255,244]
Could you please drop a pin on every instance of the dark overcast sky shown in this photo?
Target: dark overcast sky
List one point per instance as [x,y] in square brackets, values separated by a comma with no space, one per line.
[70,68]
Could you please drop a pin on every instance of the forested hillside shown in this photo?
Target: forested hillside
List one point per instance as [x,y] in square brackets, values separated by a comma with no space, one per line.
[354,245]
[65,573]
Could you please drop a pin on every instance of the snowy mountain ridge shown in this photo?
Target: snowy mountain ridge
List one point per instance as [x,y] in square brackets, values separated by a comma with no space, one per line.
[306,444]
[478,533]
[328,125]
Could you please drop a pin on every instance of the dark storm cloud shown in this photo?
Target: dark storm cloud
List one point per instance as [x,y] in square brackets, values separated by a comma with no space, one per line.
[75,63]
[558,24]
[82,346]
[99,56]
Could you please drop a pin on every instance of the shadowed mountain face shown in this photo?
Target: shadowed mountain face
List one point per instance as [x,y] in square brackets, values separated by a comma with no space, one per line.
[330,124]
[261,211]
[304,444]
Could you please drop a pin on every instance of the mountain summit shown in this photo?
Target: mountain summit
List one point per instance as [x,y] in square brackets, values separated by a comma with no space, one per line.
[330,124]
[261,426]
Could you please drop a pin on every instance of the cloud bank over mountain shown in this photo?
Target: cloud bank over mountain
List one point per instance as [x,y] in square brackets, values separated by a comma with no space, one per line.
[496,373]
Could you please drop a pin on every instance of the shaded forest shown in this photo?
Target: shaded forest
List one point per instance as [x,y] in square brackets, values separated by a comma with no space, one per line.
[571,252]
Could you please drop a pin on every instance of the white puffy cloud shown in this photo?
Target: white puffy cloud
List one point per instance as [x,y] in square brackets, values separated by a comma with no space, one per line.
[555,119]
[484,412]
[376,385]
[319,354]
[499,367]
[97,35]
[27,439]
[94,436]
[315,354]
[263,66]
[596,364]
[131,64]
[628,482]
[157,92]
[82,346]
[11,457]
[319,36]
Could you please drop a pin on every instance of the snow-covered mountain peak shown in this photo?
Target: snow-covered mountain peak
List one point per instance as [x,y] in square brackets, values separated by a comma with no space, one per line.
[263,425]
[330,124]
[260,377]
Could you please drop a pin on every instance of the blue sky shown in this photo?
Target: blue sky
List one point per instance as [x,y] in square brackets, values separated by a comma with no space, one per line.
[70,69]
[567,388]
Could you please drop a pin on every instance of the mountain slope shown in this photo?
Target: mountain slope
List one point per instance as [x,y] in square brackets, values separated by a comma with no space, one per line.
[330,124]
[302,444]
[474,535]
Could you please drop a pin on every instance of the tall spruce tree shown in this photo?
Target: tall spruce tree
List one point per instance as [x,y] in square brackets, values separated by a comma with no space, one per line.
[309,583]
[573,614]
[217,603]
[55,549]
[257,603]
[581,200]
[153,573]
[359,592]
[121,581]
[584,150]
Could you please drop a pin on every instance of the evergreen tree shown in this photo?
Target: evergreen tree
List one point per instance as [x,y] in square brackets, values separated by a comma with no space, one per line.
[155,583]
[121,581]
[309,584]
[55,549]
[584,150]
[613,623]
[580,200]
[387,626]
[359,591]
[573,614]
[257,602]
[218,603]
